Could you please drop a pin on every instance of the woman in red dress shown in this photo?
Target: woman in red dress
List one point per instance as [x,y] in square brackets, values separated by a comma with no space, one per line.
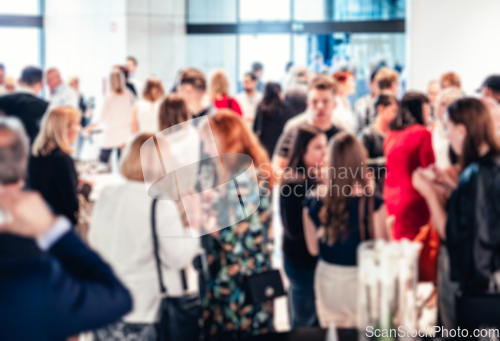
[219,93]
[407,147]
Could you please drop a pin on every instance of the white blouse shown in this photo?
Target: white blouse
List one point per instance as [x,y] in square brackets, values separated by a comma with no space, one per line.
[121,233]
[441,146]
[116,119]
[147,116]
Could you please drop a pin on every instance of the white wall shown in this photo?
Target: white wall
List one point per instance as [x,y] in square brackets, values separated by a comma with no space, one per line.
[87,37]
[452,35]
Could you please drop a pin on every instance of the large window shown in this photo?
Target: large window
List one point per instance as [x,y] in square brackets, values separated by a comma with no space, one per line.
[20,36]
[20,7]
[15,55]
[323,35]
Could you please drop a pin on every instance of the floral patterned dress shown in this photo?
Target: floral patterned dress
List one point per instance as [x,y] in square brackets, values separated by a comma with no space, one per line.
[233,253]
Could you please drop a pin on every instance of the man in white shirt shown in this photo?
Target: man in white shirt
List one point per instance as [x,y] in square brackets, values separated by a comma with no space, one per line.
[61,93]
[249,99]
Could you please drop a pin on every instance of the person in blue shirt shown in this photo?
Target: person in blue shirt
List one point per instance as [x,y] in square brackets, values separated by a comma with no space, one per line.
[339,215]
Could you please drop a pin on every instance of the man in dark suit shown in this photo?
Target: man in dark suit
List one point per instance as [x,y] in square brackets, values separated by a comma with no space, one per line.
[66,288]
[24,104]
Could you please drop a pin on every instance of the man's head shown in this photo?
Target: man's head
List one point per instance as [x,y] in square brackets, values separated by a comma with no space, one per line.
[321,97]
[53,79]
[491,87]
[433,91]
[257,69]
[450,79]
[14,152]
[31,77]
[250,82]
[192,87]
[2,74]
[388,80]
[373,83]
[131,64]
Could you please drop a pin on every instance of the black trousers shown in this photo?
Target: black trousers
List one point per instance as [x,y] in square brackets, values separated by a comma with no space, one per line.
[105,153]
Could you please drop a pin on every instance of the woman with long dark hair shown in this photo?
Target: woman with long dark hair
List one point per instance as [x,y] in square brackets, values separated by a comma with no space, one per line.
[407,146]
[337,217]
[301,176]
[272,114]
[465,212]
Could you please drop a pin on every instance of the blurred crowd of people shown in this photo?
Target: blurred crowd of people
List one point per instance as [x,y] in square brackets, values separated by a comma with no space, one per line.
[424,166]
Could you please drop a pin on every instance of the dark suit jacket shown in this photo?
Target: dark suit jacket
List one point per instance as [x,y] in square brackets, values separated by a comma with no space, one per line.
[57,294]
[54,176]
[28,108]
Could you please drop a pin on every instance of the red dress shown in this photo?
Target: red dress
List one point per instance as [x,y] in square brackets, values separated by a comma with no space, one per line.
[228,103]
[405,150]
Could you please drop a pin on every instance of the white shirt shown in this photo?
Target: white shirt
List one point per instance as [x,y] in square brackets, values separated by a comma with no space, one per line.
[147,116]
[64,96]
[121,233]
[441,146]
[249,106]
[116,119]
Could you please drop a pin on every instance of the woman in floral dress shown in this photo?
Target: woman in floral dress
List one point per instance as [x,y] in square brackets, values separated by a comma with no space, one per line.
[244,248]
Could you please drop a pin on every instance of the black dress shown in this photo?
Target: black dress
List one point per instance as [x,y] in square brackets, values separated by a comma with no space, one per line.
[270,126]
[54,176]
[374,144]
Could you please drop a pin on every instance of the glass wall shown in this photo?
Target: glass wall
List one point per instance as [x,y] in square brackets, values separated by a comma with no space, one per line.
[358,10]
[272,50]
[213,11]
[275,10]
[328,52]
[208,52]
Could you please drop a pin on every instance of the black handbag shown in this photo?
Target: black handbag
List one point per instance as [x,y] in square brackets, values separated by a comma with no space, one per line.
[179,317]
[476,310]
[263,287]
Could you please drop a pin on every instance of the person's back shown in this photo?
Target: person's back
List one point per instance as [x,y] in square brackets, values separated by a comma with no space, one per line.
[24,104]
[121,232]
[28,108]
[271,126]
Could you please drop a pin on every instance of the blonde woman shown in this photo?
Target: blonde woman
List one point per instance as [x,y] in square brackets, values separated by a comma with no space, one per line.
[145,116]
[219,93]
[116,116]
[51,168]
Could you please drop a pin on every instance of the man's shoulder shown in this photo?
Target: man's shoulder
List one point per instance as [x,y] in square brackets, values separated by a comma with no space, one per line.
[17,100]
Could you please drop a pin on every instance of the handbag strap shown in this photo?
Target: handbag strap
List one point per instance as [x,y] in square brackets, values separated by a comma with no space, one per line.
[163,290]
[369,217]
